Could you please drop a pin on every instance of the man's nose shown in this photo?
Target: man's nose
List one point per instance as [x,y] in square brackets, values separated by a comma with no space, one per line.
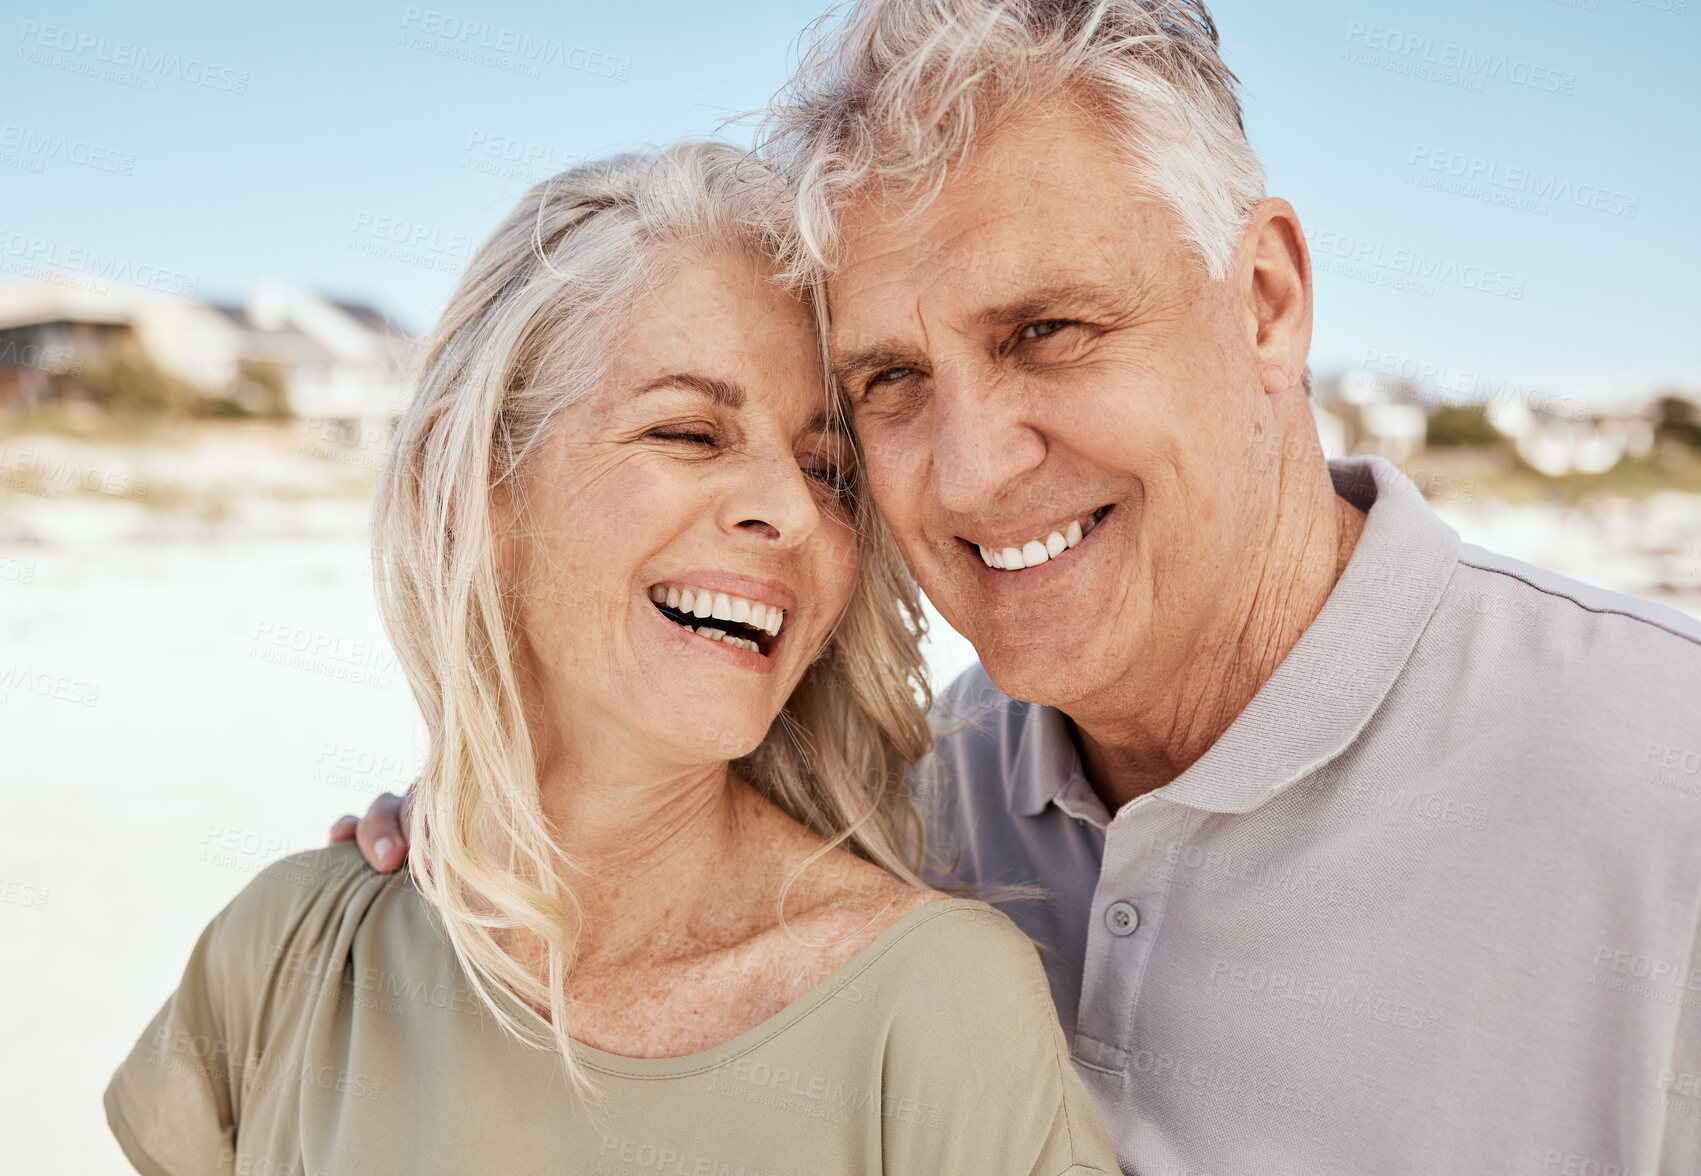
[982,441]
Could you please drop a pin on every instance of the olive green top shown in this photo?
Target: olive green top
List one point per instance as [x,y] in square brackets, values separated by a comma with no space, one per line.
[324,1025]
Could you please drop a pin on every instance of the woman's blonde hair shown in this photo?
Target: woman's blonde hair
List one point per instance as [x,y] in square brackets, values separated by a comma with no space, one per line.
[524,335]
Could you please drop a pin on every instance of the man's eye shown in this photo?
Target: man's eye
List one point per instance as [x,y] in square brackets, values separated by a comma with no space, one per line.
[891,376]
[1041,329]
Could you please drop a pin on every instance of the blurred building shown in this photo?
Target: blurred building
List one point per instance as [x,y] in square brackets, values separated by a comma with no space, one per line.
[285,351]
[1556,428]
[50,335]
[1372,414]
[1555,444]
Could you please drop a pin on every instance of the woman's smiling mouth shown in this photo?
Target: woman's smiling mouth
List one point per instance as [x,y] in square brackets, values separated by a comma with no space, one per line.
[732,620]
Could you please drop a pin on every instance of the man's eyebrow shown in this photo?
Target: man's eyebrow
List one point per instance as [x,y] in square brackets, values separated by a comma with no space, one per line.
[1049,300]
[723,393]
[868,359]
[1064,296]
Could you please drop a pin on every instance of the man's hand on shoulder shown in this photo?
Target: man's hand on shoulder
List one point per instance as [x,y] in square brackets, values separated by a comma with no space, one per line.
[381,833]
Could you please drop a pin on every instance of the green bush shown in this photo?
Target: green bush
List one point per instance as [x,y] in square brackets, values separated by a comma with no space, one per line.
[1455,424]
[262,389]
[1680,420]
[124,380]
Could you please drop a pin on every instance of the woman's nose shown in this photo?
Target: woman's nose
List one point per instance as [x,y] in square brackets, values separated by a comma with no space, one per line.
[772,500]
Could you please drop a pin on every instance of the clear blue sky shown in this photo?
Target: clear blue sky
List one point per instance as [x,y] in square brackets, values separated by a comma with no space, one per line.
[356,121]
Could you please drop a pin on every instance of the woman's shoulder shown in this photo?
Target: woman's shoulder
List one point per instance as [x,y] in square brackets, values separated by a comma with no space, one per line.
[294,910]
[226,1041]
[318,882]
[956,983]
[973,1065]
[965,945]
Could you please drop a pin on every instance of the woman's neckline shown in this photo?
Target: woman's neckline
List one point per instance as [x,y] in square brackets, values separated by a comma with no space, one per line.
[838,981]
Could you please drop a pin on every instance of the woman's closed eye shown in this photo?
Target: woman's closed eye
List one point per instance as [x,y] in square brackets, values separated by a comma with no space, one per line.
[686,434]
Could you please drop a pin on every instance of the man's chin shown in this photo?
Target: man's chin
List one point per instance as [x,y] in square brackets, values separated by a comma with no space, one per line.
[1044,675]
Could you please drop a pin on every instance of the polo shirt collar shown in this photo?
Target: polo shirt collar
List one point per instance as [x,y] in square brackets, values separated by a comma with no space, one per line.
[1322,694]
[1046,769]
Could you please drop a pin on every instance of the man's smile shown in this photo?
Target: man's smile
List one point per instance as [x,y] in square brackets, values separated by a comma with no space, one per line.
[1029,553]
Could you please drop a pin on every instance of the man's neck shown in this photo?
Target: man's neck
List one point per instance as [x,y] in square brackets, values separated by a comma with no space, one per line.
[1130,746]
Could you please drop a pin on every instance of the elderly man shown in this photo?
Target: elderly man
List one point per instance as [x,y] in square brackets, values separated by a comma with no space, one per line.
[1362,850]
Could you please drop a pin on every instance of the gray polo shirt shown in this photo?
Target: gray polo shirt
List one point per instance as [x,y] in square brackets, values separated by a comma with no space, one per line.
[1430,904]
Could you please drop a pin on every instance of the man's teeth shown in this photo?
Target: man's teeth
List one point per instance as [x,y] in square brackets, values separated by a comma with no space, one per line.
[1037,551]
[720,606]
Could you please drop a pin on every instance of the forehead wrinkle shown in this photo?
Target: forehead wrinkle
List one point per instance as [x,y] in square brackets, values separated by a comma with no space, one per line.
[921,321]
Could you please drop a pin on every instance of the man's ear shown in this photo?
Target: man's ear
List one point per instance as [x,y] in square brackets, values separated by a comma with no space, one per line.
[1275,275]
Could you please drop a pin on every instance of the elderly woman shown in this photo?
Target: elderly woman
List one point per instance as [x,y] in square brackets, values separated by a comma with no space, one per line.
[663,912]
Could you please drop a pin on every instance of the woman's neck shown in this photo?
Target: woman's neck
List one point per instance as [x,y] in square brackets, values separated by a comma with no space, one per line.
[649,846]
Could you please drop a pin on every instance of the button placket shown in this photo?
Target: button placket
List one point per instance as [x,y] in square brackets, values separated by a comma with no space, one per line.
[1128,906]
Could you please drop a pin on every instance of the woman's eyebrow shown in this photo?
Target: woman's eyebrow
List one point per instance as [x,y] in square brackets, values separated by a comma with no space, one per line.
[722,392]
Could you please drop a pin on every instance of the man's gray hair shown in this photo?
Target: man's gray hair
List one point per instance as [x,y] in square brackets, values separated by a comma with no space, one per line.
[889,94]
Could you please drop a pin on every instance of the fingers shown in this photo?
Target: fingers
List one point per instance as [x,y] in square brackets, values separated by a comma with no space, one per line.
[382,842]
[344,829]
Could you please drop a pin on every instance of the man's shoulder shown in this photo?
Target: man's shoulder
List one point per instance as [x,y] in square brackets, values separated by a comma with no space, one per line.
[1592,685]
[976,728]
[1558,609]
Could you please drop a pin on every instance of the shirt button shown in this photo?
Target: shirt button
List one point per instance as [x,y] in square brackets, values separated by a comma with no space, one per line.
[1123,918]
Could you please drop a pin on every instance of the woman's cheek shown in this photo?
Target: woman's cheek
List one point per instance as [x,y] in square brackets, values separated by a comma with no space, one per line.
[838,577]
[631,501]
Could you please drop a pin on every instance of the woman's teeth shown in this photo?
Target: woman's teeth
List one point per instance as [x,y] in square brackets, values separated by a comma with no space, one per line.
[720,606]
[1037,551]
[727,639]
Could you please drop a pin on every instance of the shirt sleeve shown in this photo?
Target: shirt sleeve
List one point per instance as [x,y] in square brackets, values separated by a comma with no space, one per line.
[978,1080]
[176,1102]
[171,1103]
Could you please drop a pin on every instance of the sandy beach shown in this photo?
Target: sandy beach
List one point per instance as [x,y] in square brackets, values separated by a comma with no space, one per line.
[196,683]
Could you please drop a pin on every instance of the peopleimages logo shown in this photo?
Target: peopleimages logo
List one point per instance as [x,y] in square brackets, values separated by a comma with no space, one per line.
[1522,181]
[1438,383]
[1405,268]
[17,249]
[476,40]
[40,146]
[128,55]
[508,158]
[1462,61]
